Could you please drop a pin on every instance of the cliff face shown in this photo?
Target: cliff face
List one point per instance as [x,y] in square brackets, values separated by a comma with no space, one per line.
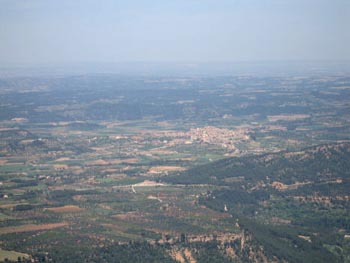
[229,248]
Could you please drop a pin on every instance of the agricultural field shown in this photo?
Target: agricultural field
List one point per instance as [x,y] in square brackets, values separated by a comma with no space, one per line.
[220,169]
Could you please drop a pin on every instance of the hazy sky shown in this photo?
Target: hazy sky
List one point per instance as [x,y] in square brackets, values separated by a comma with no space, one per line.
[65,31]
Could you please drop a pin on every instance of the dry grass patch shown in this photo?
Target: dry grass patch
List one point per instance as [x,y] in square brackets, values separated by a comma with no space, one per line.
[12,255]
[26,142]
[161,169]
[119,161]
[285,117]
[117,176]
[30,227]
[101,162]
[162,152]
[62,159]
[148,183]
[66,209]
[2,162]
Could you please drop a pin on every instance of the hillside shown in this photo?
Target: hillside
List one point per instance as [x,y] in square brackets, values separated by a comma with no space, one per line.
[293,204]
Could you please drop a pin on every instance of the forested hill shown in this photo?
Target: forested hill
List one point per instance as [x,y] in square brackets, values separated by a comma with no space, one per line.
[320,163]
[292,204]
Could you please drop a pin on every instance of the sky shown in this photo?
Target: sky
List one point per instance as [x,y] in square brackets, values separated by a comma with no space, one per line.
[117,31]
